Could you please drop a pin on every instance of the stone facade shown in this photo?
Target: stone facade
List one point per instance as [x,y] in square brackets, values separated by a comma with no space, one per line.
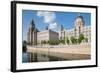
[79,28]
[47,35]
[34,36]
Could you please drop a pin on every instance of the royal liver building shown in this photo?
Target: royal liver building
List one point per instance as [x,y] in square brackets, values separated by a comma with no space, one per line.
[35,37]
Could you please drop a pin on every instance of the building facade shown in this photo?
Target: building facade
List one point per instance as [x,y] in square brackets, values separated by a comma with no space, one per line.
[79,28]
[34,36]
[47,35]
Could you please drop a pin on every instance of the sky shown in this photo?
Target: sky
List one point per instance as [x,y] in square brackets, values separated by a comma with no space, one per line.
[51,19]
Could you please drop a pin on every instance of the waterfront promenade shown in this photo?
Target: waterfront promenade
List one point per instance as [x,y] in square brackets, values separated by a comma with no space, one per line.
[70,52]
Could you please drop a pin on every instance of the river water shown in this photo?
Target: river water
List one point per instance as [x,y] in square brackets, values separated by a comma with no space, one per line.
[37,57]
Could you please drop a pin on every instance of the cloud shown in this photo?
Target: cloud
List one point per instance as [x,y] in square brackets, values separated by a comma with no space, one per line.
[49,19]
[40,13]
[53,25]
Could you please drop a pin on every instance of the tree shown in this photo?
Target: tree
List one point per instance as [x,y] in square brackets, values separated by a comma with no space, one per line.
[86,39]
[67,40]
[75,31]
[62,41]
[73,40]
[81,38]
[42,42]
[53,42]
[76,41]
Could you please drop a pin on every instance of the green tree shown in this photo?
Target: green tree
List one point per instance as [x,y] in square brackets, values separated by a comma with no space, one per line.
[44,42]
[67,40]
[62,41]
[53,42]
[81,38]
[73,40]
[86,39]
[41,41]
[76,41]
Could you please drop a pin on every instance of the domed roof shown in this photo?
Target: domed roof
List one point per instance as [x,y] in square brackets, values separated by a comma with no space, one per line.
[79,21]
[80,17]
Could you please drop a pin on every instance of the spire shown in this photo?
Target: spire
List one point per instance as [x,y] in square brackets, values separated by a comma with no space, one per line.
[32,24]
[62,28]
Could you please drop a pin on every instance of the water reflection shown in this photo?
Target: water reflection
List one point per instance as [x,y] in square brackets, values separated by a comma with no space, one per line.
[37,57]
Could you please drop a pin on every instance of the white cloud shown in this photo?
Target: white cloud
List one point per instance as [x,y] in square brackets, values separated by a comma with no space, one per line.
[40,13]
[48,17]
[53,25]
